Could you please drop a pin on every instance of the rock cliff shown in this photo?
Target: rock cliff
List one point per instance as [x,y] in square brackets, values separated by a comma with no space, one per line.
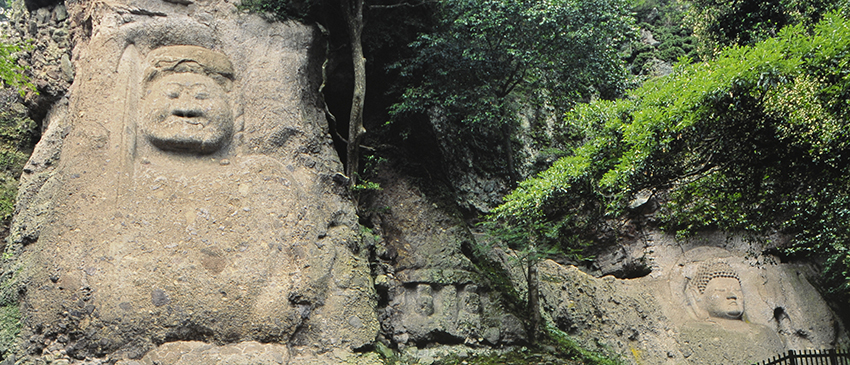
[185,205]
[185,191]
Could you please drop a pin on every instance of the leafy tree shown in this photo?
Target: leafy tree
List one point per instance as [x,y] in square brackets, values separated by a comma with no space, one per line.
[11,73]
[721,23]
[664,20]
[485,55]
[753,141]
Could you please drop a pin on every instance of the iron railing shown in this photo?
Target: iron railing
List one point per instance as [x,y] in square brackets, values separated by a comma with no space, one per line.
[810,357]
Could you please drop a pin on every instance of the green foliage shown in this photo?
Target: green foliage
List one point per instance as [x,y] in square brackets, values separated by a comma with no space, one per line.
[753,141]
[558,348]
[744,22]
[485,59]
[386,353]
[10,317]
[665,20]
[366,231]
[8,192]
[10,328]
[520,356]
[370,169]
[548,240]
[564,206]
[565,345]
[482,50]
[12,74]
[365,185]
[303,10]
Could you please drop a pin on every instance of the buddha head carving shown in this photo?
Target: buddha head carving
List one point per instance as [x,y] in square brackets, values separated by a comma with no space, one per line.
[716,290]
[185,103]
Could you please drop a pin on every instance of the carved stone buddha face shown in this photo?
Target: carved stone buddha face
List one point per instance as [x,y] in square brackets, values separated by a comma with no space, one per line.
[723,298]
[187,112]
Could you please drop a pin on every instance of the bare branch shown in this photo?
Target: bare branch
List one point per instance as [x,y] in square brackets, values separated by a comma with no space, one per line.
[513,79]
[394,6]
[399,5]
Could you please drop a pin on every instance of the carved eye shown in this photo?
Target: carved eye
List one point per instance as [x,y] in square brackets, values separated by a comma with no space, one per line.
[200,91]
[172,91]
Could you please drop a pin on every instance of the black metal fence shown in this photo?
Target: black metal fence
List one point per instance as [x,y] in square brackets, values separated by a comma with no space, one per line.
[810,357]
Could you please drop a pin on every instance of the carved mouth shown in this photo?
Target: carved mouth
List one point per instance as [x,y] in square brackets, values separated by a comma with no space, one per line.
[198,121]
[190,113]
[734,309]
[195,121]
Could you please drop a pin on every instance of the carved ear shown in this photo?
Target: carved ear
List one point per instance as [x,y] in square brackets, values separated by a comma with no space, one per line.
[238,124]
[237,108]
[694,302]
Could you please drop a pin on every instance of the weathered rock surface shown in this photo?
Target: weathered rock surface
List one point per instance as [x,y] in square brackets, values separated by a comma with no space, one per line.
[657,319]
[185,206]
[185,192]
[473,168]
[433,292]
[48,27]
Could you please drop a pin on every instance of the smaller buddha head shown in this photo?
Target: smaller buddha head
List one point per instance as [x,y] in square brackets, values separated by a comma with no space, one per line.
[185,101]
[716,290]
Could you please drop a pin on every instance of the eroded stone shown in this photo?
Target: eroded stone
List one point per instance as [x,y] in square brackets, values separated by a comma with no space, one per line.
[702,306]
[160,208]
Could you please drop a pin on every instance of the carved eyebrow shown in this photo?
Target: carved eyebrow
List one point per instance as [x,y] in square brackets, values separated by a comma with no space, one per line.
[198,86]
[182,84]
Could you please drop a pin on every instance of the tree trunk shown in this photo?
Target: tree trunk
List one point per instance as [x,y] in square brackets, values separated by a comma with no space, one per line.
[505,130]
[353,12]
[533,300]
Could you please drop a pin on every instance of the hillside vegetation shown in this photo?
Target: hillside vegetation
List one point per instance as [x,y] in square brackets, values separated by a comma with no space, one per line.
[752,140]
[747,133]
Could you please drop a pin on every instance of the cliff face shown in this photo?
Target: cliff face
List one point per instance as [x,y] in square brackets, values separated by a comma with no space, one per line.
[185,205]
[671,316]
[185,191]
[432,293]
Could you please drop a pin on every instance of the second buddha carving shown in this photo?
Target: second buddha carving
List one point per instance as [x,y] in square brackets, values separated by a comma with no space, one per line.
[720,332]
[719,291]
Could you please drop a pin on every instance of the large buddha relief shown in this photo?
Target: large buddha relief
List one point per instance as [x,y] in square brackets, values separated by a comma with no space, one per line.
[194,198]
[700,304]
